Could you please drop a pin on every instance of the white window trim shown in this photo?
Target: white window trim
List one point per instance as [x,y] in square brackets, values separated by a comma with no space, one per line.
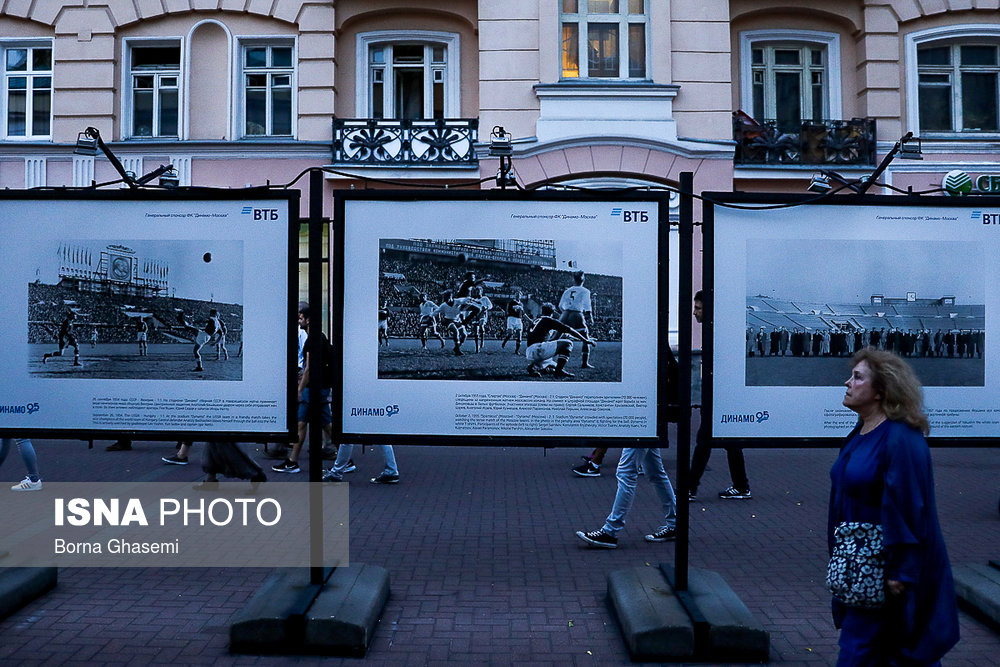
[623,20]
[830,40]
[128,44]
[912,42]
[28,43]
[453,78]
[239,89]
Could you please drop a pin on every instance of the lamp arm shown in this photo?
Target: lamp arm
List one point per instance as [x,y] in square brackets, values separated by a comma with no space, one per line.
[95,134]
[884,164]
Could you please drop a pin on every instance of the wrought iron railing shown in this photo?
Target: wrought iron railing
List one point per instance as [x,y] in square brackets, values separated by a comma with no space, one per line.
[830,142]
[389,143]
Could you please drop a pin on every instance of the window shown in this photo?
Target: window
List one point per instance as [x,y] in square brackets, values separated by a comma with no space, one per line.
[267,90]
[957,87]
[790,76]
[604,39]
[27,89]
[154,85]
[407,80]
[789,83]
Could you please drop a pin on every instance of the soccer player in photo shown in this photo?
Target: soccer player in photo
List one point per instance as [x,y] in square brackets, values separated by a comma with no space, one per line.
[576,311]
[66,339]
[541,350]
[451,312]
[383,324]
[427,321]
[201,337]
[141,334]
[515,321]
[476,311]
[220,342]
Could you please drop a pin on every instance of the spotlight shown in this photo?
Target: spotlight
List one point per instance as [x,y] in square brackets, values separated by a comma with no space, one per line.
[86,143]
[910,149]
[501,143]
[820,184]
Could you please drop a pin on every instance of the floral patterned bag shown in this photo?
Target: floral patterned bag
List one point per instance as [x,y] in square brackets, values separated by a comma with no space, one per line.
[856,573]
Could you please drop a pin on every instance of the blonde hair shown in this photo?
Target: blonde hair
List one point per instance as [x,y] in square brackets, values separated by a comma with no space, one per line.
[894,380]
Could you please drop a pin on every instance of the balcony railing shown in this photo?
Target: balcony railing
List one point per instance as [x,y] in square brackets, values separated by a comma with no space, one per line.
[827,142]
[393,143]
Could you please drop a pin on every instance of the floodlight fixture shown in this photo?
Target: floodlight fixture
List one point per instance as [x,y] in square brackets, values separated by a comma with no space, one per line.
[911,149]
[819,184]
[86,143]
[501,143]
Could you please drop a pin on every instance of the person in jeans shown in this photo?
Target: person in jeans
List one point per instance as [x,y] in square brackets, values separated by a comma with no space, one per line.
[628,473]
[32,482]
[291,462]
[343,464]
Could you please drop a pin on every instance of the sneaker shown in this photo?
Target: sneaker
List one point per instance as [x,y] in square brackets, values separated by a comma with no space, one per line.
[329,452]
[598,538]
[588,469]
[120,446]
[385,478]
[175,460]
[663,535]
[350,466]
[27,485]
[330,476]
[286,466]
[732,493]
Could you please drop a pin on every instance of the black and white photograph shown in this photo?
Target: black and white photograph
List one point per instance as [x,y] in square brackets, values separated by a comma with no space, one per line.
[499,317]
[136,309]
[799,287]
[500,309]
[811,304]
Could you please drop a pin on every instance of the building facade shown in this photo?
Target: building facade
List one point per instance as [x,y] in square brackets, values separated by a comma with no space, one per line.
[751,95]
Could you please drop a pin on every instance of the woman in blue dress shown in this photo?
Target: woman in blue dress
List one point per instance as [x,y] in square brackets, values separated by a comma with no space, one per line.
[883,476]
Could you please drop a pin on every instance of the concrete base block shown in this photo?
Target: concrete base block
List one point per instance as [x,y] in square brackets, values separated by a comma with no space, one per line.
[290,616]
[725,630]
[654,624]
[978,586]
[343,619]
[21,585]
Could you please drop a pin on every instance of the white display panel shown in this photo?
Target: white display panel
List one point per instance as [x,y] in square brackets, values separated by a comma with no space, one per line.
[915,279]
[106,272]
[396,250]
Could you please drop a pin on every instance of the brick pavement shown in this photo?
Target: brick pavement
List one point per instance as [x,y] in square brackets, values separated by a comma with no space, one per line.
[485,567]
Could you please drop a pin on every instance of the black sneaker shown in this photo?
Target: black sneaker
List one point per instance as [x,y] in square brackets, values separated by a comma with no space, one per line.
[598,538]
[734,493]
[350,466]
[175,460]
[587,469]
[663,535]
[120,446]
[286,466]
[385,478]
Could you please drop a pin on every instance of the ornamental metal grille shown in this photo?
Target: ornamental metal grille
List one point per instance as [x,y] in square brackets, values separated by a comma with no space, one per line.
[832,142]
[390,143]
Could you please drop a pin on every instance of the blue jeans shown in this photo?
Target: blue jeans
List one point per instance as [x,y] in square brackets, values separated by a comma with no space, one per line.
[627,474]
[346,451]
[27,451]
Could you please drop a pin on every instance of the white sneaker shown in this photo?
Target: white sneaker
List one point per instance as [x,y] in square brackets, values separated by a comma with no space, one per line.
[27,485]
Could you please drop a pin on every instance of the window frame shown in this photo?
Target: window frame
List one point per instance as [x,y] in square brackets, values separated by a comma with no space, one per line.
[128,96]
[956,35]
[623,19]
[829,41]
[245,43]
[452,67]
[30,44]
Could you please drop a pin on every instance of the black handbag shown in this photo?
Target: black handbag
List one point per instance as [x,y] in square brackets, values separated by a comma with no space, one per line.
[856,573]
